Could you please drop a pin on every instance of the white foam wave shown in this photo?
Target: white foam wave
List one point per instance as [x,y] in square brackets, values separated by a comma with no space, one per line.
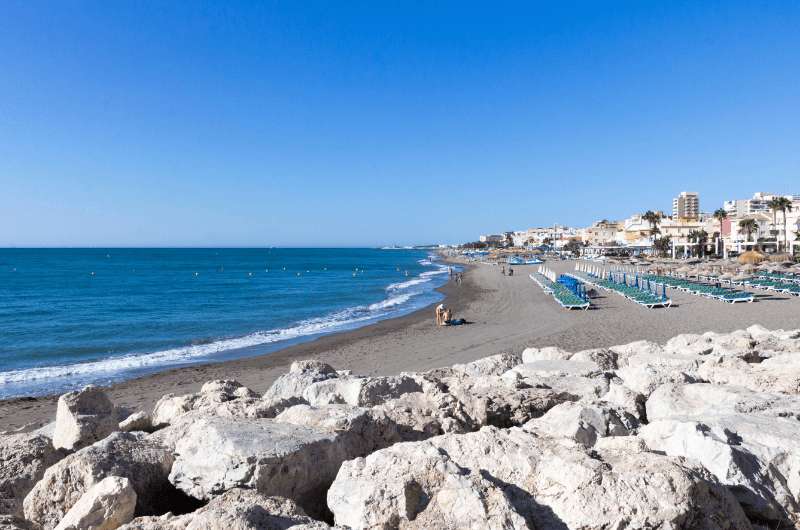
[405,285]
[390,302]
[400,293]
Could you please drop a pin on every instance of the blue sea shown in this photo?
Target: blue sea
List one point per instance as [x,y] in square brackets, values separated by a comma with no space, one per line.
[70,317]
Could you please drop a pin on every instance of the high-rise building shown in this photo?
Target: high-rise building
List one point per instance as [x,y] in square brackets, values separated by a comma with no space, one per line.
[686,205]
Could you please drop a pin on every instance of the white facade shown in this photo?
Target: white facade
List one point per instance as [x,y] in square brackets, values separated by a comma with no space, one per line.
[492,238]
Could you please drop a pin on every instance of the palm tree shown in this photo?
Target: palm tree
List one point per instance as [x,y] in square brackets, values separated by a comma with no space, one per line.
[701,238]
[783,204]
[652,219]
[748,226]
[662,245]
[720,215]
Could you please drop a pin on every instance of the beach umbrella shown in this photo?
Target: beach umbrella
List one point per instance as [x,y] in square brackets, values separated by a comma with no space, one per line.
[751,257]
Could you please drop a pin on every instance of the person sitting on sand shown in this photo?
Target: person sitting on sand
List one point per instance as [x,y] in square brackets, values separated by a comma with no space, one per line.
[447,316]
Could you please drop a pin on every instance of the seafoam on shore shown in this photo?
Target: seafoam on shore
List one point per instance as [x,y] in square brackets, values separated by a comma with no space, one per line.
[399,298]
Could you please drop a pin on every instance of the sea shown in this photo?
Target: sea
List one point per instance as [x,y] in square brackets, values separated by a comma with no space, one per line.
[72,317]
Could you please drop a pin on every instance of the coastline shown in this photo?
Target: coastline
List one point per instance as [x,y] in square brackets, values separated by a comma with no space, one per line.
[505,314]
[256,370]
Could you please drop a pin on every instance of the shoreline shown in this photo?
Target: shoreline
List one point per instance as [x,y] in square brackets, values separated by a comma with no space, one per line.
[24,413]
[505,315]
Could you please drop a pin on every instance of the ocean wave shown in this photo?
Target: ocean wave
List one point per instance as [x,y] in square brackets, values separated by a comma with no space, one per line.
[400,297]
[188,354]
[405,285]
[390,302]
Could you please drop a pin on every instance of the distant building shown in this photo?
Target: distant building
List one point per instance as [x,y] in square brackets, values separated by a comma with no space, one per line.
[770,225]
[492,238]
[686,205]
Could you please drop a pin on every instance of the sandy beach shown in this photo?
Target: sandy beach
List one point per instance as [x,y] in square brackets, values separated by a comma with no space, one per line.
[505,314]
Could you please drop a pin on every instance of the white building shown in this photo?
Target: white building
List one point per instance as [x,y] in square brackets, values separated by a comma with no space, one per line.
[771,225]
[686,205]
[492,238]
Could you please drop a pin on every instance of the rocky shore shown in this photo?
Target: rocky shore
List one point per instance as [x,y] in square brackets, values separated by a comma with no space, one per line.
[702,432]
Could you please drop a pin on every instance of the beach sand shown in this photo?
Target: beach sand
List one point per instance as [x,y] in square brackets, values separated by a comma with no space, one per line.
[505,314]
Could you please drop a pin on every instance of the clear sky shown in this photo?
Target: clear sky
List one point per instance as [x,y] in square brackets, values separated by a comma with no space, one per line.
[364,123]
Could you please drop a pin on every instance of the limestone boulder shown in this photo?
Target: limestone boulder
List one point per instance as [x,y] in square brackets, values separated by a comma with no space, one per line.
[395,489]
[584,423]
[702,400]
[83,417]
[492,400]
[23,461]
[134,456]
[301,374]
[216,454]
[138,421]
[779,374]
[420,415]
[581,387]
[362,430]
[223,397]
[643,373]
[514,479]
[604,358]
[105,506]
[360,391]
[757,457]
[558,368]
[493,365]
[689,344]
[550,353]
[639,347]
[236,509]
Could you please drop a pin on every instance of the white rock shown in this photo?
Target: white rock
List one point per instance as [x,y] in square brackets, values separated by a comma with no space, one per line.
[129,455]
[557,368]
[493,365]
[395,489]
[689,344]
[640,347]
[237,509]
[362,430]
[360,391]
[645,373]
[701,400]
[456,481]
[604,358]
[138,421]
[223,397]
[82,418]
[301,374]
[757,456]
[23,460]
[216,454]
[491,400]
[550,353]
[777,374]
[105,506]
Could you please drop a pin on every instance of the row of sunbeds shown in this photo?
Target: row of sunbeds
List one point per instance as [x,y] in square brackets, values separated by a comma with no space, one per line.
[640,296]
[777,286]
[779,276]
[565,298]
[723,294]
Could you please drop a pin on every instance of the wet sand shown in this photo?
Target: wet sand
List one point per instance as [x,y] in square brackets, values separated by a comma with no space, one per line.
[504,314]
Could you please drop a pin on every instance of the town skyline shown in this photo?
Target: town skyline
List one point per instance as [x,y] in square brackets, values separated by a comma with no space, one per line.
[766,220]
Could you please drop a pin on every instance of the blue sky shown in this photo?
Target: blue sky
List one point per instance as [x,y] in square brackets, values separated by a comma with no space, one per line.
[363,123]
